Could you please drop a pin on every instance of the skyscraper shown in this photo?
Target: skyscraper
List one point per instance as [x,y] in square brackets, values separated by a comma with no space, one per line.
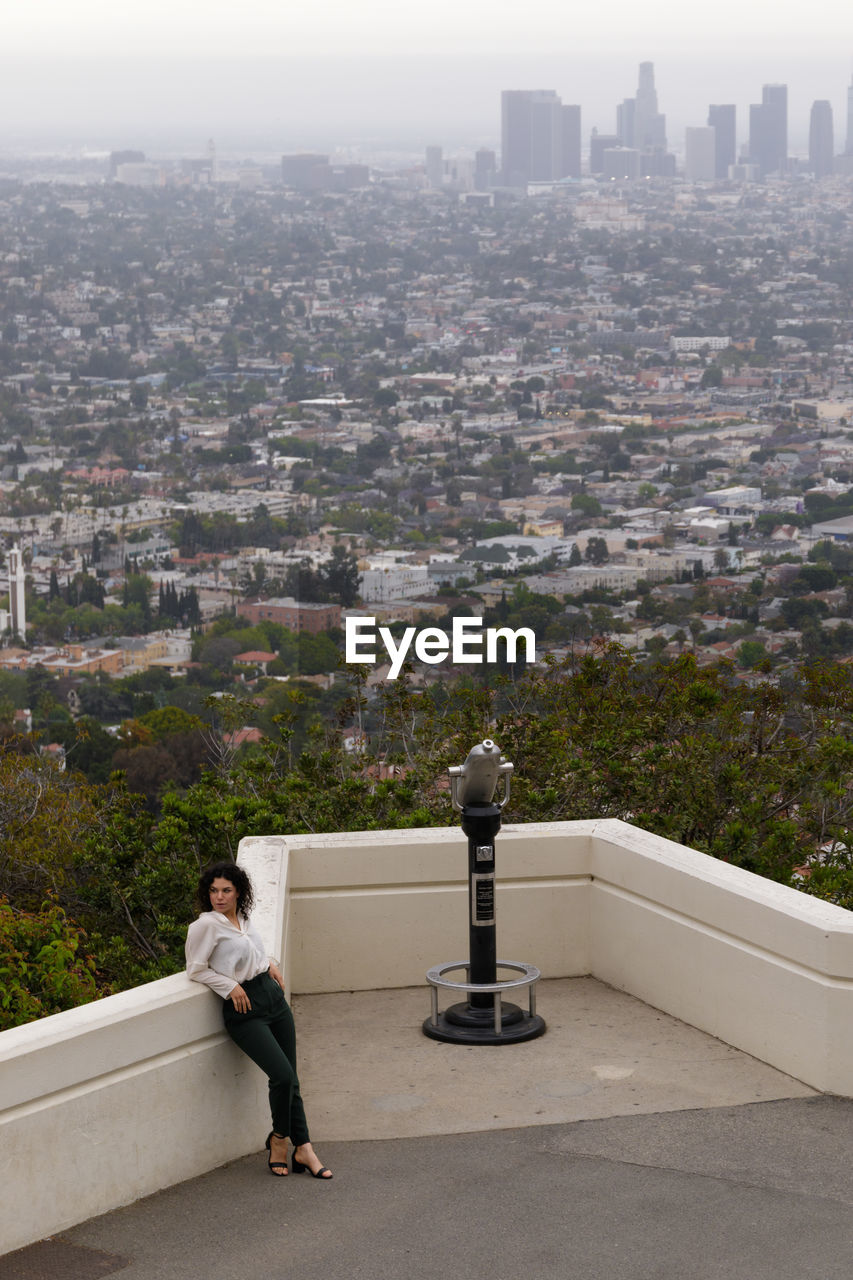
[848,149]
[642,128]
[305,171]
[821,145]
[700,154]
[571,161]
[768,130]
[485,169]
[598,144]
[722,117]
[434,159]
[649,124]
[621,163]
[534,146]
[546,136]
[626,118]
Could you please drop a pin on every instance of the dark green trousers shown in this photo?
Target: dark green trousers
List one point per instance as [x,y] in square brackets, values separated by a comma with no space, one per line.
[266,1033]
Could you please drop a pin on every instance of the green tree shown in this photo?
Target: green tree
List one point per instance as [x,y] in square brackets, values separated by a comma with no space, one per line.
[754,772]
[45,815]
[167,721]
[45,964]
[750,653]
[385,398]
[596,551]
[586,505]
[139,395]
[339,576]
[137,593]
[814,577]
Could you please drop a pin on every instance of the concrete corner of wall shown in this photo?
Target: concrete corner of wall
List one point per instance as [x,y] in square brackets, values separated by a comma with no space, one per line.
[760,965]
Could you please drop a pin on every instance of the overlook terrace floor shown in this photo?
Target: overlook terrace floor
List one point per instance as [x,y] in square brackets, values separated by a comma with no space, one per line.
[622,1144]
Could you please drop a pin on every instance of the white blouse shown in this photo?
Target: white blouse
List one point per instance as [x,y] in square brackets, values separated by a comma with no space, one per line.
[222,955]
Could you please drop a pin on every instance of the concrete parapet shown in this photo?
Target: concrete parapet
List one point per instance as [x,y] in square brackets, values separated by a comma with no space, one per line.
[759,965]
[106,1103]
[109,1102]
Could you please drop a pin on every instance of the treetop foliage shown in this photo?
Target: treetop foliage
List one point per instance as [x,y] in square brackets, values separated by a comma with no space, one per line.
[749,771]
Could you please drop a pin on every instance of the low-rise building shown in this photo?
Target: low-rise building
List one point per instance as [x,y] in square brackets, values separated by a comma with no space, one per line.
[67,660]
[291,613]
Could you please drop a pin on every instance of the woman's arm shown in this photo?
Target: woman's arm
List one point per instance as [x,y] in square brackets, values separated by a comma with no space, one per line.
[201,939]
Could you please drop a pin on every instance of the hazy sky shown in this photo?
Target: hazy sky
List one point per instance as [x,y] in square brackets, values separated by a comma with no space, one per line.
[72,27]
[286,73]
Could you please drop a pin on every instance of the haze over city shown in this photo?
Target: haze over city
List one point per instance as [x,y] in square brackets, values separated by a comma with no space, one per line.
[378,75]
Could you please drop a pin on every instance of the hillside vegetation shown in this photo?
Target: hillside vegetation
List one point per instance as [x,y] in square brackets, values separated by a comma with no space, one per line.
[96,887]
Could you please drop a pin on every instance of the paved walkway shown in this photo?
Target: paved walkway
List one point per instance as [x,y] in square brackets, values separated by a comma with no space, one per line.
[621,1145]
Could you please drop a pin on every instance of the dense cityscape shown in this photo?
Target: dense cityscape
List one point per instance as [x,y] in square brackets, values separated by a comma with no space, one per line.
[625,400]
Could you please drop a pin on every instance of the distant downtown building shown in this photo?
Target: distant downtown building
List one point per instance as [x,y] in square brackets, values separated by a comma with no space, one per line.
[722,117]
[485,169]
[638,121]
[621,163]
[642,128]
[540,137]
[305,171]
[434,166]
[309,171]
[571,140]
[700,154]
[598,144]
[821,143]
[768,130]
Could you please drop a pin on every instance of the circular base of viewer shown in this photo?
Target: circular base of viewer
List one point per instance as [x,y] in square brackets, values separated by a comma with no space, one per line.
[462,1024]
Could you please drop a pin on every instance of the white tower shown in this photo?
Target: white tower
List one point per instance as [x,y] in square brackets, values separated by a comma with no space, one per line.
[17,608]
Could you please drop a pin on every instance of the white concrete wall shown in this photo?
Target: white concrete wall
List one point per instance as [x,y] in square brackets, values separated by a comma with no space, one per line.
[374,909]
[761,966]
[111,1101]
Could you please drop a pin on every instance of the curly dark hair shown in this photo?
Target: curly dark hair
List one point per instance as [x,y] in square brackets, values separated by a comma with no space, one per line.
[228,871]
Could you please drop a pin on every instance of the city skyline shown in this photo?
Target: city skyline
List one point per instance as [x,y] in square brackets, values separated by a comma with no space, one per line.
[372,104]
[150,73]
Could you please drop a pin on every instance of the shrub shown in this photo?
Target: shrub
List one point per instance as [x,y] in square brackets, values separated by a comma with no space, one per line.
[44,967]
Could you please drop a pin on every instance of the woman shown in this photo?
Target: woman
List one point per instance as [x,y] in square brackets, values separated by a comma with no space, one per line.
[226,952]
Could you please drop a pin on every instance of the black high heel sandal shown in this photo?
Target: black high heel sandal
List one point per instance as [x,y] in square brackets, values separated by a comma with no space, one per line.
[274,1165]
[298,1167]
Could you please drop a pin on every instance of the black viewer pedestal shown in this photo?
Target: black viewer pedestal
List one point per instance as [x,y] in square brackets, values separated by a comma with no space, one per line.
[484,1018]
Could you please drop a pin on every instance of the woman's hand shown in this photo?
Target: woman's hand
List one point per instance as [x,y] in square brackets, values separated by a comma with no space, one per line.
[276,974]
[240,1000]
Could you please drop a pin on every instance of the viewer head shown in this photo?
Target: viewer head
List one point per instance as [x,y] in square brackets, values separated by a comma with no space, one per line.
[226,871]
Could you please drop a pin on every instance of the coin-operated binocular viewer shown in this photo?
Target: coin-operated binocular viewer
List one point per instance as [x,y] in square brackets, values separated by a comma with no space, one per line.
[484,1018]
